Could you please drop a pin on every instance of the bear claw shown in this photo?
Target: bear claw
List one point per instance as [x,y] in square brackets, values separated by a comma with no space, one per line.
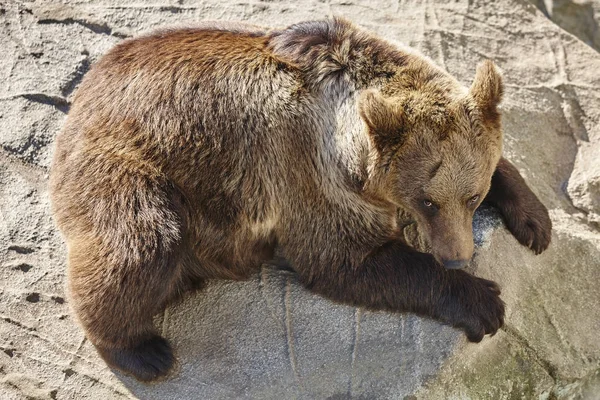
[483,312]
[532,229]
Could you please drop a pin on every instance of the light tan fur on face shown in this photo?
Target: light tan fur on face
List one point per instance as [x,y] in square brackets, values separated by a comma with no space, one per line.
[435,141]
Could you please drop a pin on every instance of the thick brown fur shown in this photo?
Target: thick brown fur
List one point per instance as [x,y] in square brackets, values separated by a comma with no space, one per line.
[192,154]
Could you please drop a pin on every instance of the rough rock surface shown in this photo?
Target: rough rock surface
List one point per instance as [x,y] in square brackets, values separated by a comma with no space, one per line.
[579,17]
[269,338]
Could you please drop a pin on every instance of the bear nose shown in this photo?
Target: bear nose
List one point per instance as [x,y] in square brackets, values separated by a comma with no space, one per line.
[455,264]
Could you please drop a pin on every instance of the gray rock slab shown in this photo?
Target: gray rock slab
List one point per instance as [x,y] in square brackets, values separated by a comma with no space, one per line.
[268,338]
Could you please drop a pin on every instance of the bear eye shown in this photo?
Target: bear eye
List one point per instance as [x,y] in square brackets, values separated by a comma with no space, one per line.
[473,200]
[429,206]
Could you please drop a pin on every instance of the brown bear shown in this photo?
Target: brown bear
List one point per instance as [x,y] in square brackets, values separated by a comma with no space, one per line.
[193,154]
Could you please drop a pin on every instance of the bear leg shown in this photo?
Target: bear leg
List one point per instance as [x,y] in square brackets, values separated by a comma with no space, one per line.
[396,278]
[115,301]
[524,214]
[126,263]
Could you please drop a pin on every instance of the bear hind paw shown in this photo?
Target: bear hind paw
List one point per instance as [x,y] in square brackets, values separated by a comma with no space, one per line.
[147,361]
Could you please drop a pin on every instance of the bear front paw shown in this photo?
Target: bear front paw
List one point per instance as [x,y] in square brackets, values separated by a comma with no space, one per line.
[530,224]
[480,310]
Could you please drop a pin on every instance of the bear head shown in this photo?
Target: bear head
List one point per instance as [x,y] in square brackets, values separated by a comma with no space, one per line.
[434,149]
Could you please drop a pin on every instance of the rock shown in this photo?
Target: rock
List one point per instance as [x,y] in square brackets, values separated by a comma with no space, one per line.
[268,337]
[579,17]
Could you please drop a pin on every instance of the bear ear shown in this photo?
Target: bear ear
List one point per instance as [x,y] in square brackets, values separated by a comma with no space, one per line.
[487,89]
[383,119]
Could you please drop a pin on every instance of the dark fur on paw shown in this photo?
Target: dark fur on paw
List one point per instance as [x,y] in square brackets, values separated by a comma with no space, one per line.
[147,361]
[525,215]
[477,308]
[530,224]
